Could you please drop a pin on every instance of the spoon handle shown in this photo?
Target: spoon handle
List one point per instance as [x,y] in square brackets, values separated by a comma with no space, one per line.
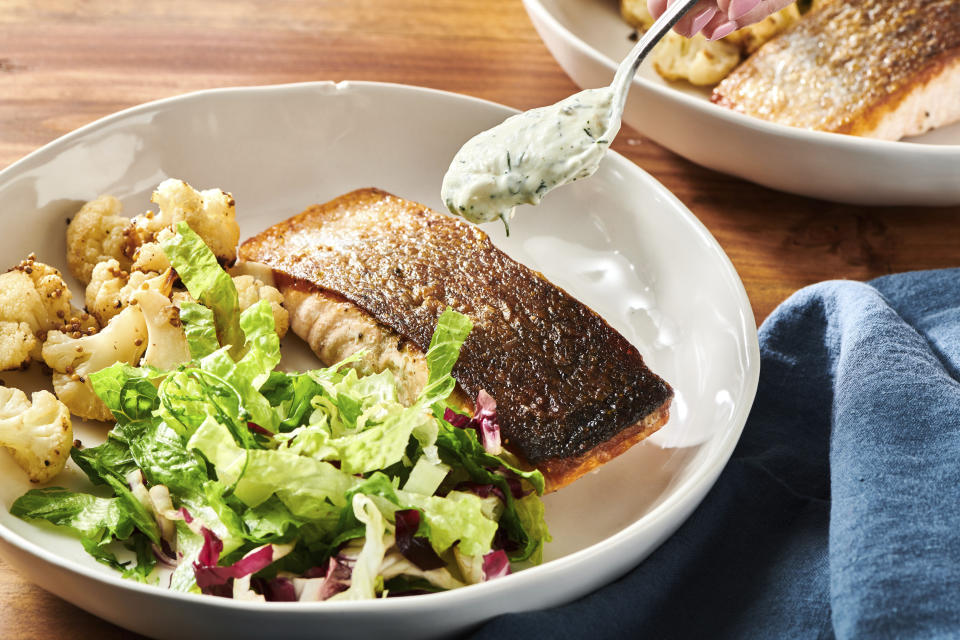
[628,68]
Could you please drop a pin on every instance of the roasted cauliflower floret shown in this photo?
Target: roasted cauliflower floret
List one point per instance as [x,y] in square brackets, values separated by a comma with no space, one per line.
[97,233]
[34,299]
[37,431]
[17,343]
[74,358]
[111,288]
[696,59]
[699,61]
[251,291]
[752,37]
[210,213]
[150,256]
[636,14]
[167,343]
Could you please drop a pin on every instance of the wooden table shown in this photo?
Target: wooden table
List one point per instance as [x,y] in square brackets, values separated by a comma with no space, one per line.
[64,63]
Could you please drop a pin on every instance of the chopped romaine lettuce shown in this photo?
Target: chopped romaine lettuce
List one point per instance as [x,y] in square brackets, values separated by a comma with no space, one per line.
[214,464]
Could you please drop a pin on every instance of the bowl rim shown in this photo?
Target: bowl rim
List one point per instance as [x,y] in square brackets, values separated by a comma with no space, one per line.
[680,497]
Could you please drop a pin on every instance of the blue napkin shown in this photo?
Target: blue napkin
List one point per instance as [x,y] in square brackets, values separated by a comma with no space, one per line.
[839,512]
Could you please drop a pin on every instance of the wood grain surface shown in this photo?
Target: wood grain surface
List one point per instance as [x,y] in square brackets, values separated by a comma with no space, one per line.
[64,63]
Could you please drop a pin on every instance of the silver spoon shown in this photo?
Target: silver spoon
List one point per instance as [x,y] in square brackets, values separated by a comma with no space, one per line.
[532,153]
[628,67]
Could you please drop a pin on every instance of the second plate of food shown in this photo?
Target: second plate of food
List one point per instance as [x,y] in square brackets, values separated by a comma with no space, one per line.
[619,242]
[589,37]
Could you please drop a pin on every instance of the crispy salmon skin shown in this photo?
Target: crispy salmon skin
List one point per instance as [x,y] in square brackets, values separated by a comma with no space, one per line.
[371,270]
[879,68]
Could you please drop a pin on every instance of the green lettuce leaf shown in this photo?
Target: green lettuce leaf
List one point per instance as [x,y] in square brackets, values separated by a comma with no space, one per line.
[146,560]
[290,395]
[206,281]
[189,545]
[113,457]
[271,522]
[451,332]
[97,519]
[460,449]
[200,328]
[365,581]
[127,391]
[189,396]
[457,517]
[529,511]
[309,488]
[261,353]
[378,445]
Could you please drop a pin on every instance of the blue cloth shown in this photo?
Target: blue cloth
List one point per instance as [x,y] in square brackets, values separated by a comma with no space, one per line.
[838,515]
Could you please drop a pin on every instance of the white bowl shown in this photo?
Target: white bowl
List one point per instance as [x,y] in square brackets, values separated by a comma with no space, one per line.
[619,241]
[588,38]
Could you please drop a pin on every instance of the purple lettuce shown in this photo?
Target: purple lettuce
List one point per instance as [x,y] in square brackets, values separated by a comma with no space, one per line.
[279,589]
[215,580]
[496,564]
[336,579]
[484,420]
[415,548]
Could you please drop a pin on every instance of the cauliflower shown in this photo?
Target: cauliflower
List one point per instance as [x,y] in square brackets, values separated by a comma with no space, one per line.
[167,343]
[752,37]
[636,14]
[38,432]
[148,327]
[250,291]
[150,256]
[111,288]
[695,59]
[17,342]
[97,233]
[74,358]
[34,299]
[698,60]
[211,213]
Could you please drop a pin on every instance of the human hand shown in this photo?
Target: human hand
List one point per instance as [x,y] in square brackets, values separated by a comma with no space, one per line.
[718,18]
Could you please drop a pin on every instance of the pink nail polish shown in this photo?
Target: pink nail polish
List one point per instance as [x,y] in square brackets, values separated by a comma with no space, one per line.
[740,8]
[723,30]
[701,20]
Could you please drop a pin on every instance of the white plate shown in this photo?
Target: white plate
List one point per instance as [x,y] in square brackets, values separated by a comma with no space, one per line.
[588,36]
[619,241]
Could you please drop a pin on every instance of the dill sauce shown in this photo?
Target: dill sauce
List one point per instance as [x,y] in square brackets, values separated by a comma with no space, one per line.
[527,155]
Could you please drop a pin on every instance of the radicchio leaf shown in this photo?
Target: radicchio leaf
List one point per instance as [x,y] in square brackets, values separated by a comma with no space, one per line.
[484,420]
[496,564]
[485,490]
[164,554]
[336,579]
[415,548]
[212,579]
[279,589]
[481,490]
[255,428]
[339,572]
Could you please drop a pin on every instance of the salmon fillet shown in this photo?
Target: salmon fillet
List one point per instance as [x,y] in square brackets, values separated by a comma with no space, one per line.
[372,271]
[878,68]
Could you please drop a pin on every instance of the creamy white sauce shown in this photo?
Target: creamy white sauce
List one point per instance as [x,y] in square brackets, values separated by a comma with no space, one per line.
[527,155]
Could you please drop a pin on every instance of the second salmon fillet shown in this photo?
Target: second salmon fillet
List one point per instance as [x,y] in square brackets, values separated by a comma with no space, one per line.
[877,68]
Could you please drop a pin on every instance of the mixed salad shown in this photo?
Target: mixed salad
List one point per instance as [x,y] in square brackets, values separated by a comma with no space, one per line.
[229,477]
